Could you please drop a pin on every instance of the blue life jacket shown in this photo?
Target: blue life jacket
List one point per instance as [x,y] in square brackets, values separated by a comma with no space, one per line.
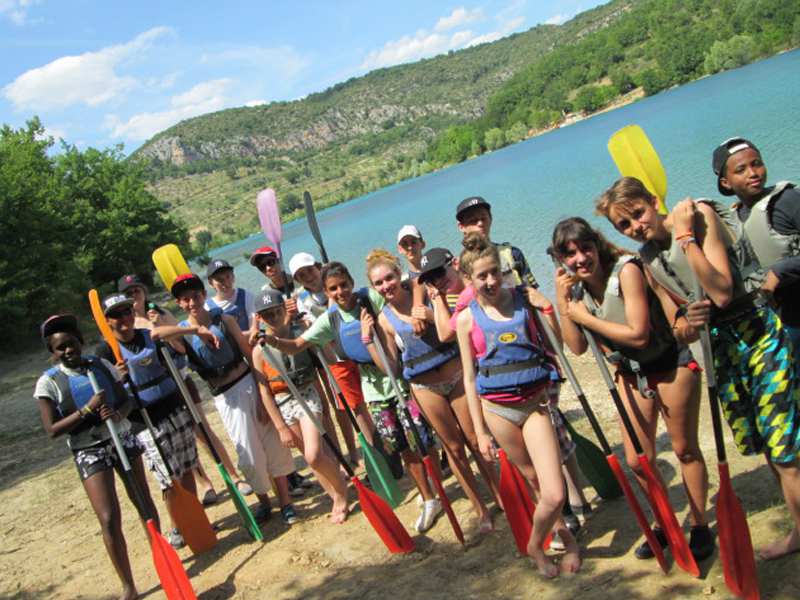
[212,363]
[420,354]
[512,360]
[151,379]
[347,336]
[237,309]
[75,391]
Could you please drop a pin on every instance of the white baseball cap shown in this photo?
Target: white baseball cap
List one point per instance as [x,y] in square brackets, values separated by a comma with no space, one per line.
[300,260]
[407,230]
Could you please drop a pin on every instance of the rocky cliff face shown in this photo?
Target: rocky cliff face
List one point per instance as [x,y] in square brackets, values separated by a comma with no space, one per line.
[335,124]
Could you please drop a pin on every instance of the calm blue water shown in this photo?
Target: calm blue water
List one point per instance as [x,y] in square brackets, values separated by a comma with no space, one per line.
[534,184]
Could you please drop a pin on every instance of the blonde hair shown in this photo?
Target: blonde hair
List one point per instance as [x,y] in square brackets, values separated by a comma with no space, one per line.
[476,246]
[625,194]
[379,256]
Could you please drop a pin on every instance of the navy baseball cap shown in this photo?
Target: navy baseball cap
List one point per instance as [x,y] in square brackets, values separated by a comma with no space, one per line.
[471,202]
[217,265]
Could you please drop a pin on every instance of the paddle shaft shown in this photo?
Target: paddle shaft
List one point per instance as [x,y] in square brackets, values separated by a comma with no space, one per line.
[278,365]
[311,217]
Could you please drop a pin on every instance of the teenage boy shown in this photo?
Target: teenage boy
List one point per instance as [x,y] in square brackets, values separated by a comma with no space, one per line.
[150,380]
[218,351]
[237,302]
[768,228]
[266,260]
[410,244]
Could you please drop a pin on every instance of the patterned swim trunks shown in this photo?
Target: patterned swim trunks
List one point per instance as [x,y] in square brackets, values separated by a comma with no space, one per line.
[103,456]
[391,422]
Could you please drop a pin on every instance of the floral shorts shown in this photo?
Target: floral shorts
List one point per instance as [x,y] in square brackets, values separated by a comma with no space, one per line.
[391,421]
[103,456]
[290,408]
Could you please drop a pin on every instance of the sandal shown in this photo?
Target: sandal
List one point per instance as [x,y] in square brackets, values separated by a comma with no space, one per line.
[244,487]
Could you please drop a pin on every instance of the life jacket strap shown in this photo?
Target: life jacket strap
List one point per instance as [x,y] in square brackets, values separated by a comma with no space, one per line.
[437,351]
[152,383]
[512,367]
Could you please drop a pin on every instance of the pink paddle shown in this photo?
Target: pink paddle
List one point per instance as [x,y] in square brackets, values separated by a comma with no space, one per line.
[270,218]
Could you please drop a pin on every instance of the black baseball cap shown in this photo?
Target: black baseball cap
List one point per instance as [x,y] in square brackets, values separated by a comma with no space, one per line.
[126,282]
[268,298]
[58,323]
[113,302]
[217,265]
[187,281]
[721,155]
[471,202]
[433,259]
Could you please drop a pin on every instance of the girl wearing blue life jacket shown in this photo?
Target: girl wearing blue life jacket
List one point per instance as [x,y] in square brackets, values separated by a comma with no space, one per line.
[506,377]
[432,368]
[348,326]
[69,406]
[654,372]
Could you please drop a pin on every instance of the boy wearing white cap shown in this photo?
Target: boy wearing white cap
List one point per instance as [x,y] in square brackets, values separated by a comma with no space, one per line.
[410,244]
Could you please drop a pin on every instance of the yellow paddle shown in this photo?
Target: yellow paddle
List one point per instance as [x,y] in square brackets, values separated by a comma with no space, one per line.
[635,156]
[169,263]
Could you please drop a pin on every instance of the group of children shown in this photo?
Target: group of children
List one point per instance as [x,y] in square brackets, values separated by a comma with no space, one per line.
[464,339]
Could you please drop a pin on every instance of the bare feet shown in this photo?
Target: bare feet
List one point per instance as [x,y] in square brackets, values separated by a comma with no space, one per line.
[783,547]
[485,524]
[339,511]
[543,562]
[129,593]
[571,561]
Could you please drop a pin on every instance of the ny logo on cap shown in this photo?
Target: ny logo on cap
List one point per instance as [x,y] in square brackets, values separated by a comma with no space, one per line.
[217,263]
[424,261]
[115,300]
[266,299]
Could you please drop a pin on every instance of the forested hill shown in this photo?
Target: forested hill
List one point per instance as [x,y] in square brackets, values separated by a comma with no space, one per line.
[403,121]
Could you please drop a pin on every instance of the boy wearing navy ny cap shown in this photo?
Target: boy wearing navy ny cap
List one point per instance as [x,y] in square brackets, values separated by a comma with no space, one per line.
[768,226]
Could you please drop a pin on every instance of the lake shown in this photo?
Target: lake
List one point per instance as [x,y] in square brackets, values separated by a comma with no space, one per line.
[534,184]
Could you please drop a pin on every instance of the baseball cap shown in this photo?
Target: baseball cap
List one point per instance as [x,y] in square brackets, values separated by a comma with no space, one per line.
[300,260]
[433,259]
[187,281]
[471,202]
[268,298]
[126,282]
[217,265]
[721,155]
[55,323]
[262,252]
[113,302]
[407,230]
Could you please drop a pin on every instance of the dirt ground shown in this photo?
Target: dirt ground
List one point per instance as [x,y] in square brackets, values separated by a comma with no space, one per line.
[50,546]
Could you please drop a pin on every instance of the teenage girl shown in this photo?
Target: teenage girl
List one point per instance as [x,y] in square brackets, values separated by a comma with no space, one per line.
[69,406]
[432,368]
[754,359]
[507,390]
[654,373]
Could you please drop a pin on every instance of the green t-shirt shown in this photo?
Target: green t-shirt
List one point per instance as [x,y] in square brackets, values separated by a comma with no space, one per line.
[374,384]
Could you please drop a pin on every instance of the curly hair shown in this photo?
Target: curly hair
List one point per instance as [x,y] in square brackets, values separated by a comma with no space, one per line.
[379,256]
[476,246]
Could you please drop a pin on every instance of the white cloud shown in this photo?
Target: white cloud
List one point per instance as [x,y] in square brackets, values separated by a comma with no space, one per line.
[558,19]
[16,10]
[90,78]
[425,43]
[459,16]
[283,59]
[204,97]
[252,103]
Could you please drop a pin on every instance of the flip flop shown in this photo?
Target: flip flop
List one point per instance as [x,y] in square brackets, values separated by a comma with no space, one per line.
[209,498]
[244,487]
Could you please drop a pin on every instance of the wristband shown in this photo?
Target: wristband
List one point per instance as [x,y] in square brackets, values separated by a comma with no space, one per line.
[85,411]
[684,242]
[366,339]
[685,234]
[548,311]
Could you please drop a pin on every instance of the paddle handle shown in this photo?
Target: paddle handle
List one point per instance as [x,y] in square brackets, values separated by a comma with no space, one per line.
[149,424]
[711,383]
[576,386]
[123,456]
[278,365]
[189,402]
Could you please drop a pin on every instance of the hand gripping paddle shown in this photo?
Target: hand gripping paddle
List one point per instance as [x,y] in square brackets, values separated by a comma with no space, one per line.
[185,509]
[635,156]
[169,568]
[378,513]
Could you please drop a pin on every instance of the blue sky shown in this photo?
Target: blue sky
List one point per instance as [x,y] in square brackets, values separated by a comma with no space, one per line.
[103,72]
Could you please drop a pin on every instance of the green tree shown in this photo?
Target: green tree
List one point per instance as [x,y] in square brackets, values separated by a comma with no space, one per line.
[517,132]
[495,138]
[729,54]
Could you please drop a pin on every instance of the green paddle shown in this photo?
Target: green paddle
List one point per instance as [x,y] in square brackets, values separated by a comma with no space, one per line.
[378,470]
[593,463]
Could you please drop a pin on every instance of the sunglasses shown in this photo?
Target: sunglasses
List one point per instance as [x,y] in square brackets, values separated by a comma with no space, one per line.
[434,275]
[268,262]
[122,312]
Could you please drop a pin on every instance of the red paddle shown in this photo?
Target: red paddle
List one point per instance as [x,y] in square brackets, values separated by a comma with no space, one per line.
[517,504]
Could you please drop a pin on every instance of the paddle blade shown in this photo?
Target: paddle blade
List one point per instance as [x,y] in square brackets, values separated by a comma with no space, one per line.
[102,324]
[379,473]
[169,263]
[665,515]
[448,509]
[635,156]
[269,217]
[593,465]
[638,513]
[735,546]
[311,217]
[247,517]
[383,520]
[530,507]
[169,568]
[190,519]
[518,512]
